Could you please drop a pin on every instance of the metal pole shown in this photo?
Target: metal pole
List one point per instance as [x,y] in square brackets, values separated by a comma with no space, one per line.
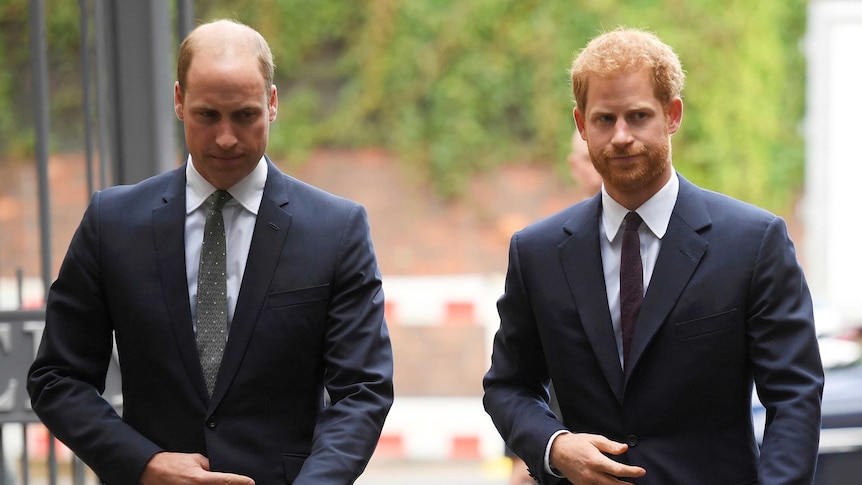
[78,471]
[2,458]
[185,19]
[25,456]
[85,85]
[39,56]
[104,65]
[52,460]
[144,111]
[185,24]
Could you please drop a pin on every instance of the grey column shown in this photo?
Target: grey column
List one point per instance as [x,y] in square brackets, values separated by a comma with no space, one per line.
[139,56]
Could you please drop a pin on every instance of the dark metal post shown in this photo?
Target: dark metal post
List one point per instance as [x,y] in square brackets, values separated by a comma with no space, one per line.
[185,24]
[84,25]
[104,36]
[142,109]
[39,56]
[2,458]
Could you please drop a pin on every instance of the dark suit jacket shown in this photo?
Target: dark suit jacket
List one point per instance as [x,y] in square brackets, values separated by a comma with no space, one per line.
[727,305]
[309,315]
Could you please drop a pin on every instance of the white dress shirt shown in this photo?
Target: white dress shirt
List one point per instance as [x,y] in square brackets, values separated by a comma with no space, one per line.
[239,215]
[655,213]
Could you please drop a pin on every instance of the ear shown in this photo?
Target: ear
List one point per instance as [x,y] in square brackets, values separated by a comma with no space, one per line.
[674,115]
[579,121]
[273,104]
[178,101]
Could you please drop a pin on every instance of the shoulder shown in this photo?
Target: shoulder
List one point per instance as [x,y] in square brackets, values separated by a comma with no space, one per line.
[704,208]
[732,213]
[136,202]
[300,191]
[283,188]
[155,187]
[308,202]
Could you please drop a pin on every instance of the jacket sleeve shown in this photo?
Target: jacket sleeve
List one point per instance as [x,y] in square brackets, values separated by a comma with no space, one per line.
[788,373]
[516,386]
[67,378]
[358,364]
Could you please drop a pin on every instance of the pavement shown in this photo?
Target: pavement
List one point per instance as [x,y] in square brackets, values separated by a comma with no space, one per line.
[460,472]
[378,472]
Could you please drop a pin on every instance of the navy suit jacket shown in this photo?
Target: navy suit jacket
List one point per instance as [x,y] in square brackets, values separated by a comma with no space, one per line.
[727,306]
[309,317]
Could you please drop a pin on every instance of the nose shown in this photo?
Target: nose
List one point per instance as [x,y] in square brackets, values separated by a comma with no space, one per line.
[622,133]
[225,136]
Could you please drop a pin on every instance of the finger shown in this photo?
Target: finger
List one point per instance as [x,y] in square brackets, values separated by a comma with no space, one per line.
[607,446]
[627,471]
[228,479]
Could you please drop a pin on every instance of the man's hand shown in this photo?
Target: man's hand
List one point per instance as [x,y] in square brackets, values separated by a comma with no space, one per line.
[580,458]
[186,468]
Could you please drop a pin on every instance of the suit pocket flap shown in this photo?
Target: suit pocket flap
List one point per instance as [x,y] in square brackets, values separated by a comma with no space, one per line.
[299,296]
[706,325]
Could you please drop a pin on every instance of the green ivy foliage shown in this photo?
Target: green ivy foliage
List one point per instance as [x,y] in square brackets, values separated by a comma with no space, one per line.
[458,87]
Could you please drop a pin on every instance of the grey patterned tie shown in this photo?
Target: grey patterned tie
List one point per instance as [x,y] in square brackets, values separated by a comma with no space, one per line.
[212,291]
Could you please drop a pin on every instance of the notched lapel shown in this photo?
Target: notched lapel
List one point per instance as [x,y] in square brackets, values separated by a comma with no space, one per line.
[169,236]
[267,242]
[586,281]
[682,249]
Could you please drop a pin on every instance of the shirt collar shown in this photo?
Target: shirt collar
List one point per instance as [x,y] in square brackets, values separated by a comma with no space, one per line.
[655,212]
[248,192]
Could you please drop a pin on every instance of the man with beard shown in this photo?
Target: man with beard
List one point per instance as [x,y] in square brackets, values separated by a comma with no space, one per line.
[654,307]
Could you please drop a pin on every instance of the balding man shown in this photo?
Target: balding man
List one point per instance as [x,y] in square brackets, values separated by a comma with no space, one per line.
[238,297]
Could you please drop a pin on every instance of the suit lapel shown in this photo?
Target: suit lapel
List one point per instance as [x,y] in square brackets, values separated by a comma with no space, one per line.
[681,251]
[169,235]
[270,234]
[580,256]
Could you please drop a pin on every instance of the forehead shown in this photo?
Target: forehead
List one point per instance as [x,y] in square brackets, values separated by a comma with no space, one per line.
[217,77]
[625,90]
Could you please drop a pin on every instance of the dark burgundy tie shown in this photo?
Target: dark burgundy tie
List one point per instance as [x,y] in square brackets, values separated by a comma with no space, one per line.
[631,281]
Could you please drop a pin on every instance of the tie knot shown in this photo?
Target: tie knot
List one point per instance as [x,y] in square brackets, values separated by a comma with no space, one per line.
[633,221]
[218,199]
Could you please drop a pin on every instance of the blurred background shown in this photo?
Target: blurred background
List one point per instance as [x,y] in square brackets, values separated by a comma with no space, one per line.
[451,122]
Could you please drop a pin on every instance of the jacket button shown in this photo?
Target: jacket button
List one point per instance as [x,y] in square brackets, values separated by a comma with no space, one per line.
[632,440]
[211,423]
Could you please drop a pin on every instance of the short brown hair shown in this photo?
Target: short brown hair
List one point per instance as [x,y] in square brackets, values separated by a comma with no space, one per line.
[624,50]
[258,44]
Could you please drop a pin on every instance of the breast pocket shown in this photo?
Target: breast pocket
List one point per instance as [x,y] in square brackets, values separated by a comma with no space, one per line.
[299,297]
[705,326]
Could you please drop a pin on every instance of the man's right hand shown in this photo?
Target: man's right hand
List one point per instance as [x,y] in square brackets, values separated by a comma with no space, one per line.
[580,457]
[186,468]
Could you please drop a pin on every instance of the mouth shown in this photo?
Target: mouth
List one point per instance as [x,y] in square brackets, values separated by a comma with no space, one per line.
[227,158]
[625,157]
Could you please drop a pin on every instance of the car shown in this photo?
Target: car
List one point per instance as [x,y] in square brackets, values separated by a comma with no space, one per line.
[840,455]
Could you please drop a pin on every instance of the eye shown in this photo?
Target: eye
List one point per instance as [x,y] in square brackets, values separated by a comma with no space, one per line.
[207,115]
[639,116]
[245,116]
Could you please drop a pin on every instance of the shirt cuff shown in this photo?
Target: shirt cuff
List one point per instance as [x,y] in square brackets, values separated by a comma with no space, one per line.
[548,469]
